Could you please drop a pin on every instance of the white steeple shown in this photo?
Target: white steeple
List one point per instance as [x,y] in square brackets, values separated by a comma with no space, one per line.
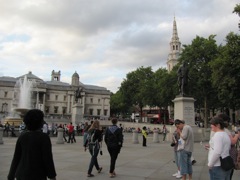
[175,48]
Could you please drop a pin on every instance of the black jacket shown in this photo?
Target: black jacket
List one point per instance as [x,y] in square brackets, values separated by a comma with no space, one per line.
[113,136]
[98,136]
[32,157]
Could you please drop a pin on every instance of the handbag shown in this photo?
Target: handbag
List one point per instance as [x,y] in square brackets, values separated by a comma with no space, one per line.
[227,163]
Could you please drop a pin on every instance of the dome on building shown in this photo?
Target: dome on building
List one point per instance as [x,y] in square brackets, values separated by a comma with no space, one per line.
[75,75]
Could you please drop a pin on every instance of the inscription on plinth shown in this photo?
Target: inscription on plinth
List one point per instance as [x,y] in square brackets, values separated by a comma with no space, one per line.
[184,109]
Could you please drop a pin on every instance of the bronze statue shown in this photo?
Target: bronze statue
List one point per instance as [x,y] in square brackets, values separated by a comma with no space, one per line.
[78,94]
[182,78]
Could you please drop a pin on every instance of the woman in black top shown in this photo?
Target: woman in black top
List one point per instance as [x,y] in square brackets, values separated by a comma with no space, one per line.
[114,140]
[33,152]
[93,142]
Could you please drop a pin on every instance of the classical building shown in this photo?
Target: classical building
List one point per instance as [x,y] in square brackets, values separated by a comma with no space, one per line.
[175,48]
[56,98]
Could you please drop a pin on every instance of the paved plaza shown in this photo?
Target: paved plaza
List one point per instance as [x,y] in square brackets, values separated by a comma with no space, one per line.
[154,162]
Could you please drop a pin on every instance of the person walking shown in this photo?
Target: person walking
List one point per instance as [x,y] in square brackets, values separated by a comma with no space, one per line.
[164,131]
[70,132]
[93,143]
[144,135]
[6,128]
[186,133]
[85,132]
[114,140]
[219,146]
[33,157]
[64,132]
[73,135]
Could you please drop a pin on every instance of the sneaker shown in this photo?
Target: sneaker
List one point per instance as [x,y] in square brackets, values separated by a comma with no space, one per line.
[179,176]
[175,174]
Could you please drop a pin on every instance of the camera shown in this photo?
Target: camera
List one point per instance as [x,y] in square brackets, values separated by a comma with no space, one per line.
[173,144]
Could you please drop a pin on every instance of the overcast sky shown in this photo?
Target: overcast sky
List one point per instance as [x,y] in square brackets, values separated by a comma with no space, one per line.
[102,40]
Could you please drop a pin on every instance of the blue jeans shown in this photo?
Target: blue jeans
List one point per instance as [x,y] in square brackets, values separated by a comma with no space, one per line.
[94,150]
[217,173]
[177,158]
[185,162]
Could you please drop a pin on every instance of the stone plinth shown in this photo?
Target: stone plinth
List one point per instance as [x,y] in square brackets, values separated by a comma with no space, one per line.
[135,137]
[77,113]
[60,136]
[156,136]
[184,110]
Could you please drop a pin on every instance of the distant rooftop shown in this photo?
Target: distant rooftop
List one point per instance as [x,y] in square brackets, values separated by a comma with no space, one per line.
[31,76]
[57,83]
[8,78]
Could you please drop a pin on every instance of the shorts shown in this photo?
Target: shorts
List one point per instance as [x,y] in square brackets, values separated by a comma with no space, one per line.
[185,162]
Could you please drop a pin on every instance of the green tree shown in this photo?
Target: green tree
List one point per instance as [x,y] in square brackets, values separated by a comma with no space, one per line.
[226,73]
[237,11]
[197,57]
[118,107]
[136,89]
[164,88]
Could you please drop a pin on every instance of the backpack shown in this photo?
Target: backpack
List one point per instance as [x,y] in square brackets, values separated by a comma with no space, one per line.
[91,138]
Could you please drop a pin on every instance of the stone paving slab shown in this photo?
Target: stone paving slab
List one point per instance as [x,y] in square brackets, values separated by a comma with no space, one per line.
[154,162]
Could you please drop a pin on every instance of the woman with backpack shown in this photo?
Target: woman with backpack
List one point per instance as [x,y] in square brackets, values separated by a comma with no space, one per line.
[93,142]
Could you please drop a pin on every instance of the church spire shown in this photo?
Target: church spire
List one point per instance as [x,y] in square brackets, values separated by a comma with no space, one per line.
[175,48]
[175,33]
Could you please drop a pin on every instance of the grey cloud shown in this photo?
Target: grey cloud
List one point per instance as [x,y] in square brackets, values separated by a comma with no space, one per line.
[103,36]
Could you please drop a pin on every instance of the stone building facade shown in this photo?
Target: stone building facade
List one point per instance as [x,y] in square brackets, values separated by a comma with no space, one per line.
[56,98]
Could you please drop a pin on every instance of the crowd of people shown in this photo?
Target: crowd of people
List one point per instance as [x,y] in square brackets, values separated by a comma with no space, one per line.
[36,141]
[9,130]
[33,157]
[222,144]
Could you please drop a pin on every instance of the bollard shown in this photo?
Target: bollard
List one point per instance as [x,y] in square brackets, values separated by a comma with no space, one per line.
[156,136]
[135,137]
[60,136]
[1,135]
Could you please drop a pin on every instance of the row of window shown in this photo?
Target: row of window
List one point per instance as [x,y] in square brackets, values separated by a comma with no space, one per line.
[56,97]
[64,111]
[65,98]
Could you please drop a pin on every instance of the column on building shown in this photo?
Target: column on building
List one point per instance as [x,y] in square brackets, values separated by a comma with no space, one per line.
[83,103]
[68,103]
[37,102]
[103,102]
[44,99]
[72,98]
